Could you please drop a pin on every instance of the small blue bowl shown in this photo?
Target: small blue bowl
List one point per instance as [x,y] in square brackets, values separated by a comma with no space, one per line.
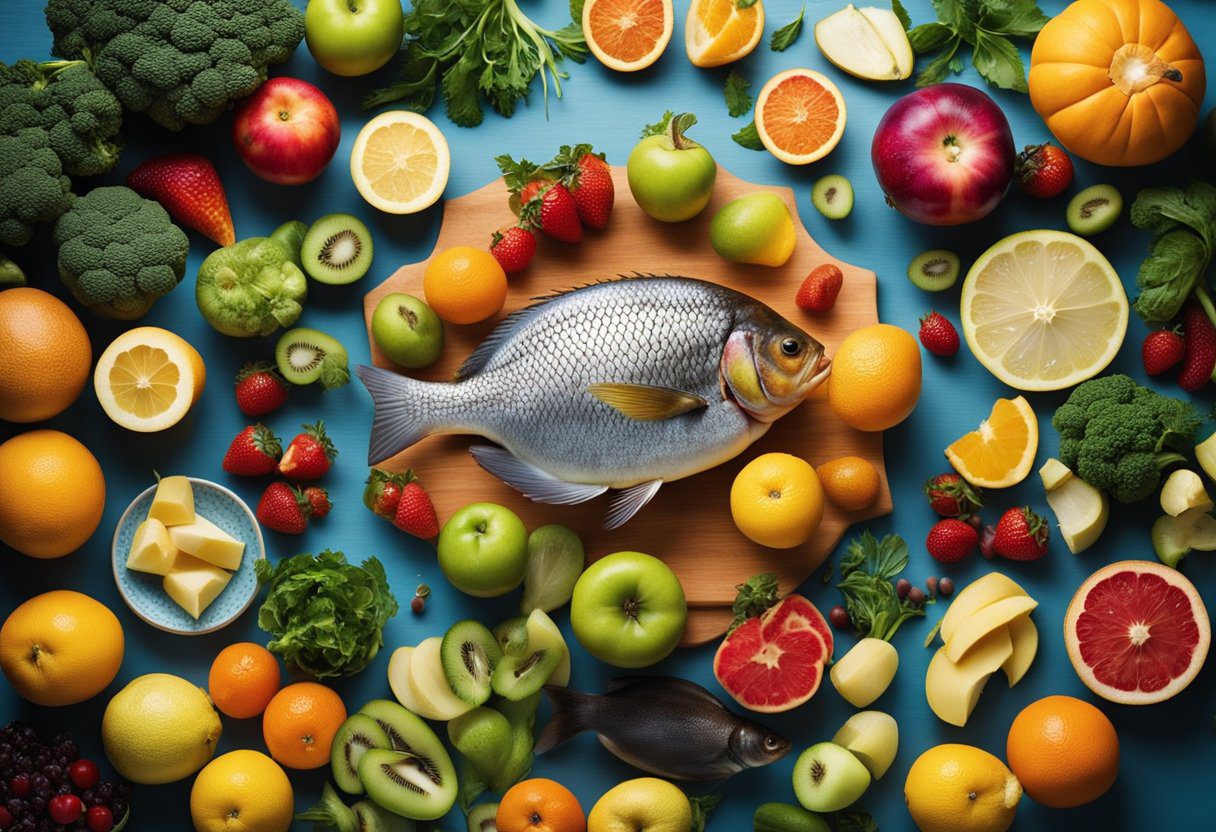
[145,594]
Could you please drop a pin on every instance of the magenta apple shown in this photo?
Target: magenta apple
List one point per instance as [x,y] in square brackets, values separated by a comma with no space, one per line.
[944,155]
[287,131]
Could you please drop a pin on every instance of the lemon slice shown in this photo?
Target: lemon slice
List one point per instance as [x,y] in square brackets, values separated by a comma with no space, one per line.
[148,379]
[400,162]
[1000,452]
[1043,310]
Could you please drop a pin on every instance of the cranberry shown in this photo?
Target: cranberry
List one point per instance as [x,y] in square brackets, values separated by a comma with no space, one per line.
[84,774]
[20,785]
[931,584]
[99,819]
[839,617]
[6,818]
[418,604]
[902,587]
[65,809]
[945,587]
[916,596]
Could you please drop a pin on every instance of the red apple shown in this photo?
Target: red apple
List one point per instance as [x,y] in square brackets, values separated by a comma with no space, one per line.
[944,155]
[287,131]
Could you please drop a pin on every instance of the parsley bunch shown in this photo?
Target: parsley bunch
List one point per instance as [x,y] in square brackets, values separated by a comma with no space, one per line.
[866,572]
[984,25]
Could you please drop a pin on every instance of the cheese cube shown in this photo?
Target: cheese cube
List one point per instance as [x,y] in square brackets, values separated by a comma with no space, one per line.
[152,550]
[173,504]
[194,584]
[208,542]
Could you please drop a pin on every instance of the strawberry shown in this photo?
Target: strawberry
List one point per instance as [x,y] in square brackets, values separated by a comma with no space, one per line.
[318,501]
[1021,535]
[513,247]
[819,291]
[309,456]
[383,492]
[416,512]
[260,389]
[1199,353]
[952,496]
[938,335]
[1161,350]
[188,187]
[254,452]
[589,179]
[1043,170]
[540,201]
[950,540]
[284,508]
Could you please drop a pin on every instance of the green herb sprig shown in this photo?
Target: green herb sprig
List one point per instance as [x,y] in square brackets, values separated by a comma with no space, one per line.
[738,99]
[784,37]
[1183,224]
[986,26]
[866,571]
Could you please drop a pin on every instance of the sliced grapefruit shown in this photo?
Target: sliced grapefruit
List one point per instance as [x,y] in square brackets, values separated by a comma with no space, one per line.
[628,35]
[775,662]
[800,116]
[1137,632]
[719,31]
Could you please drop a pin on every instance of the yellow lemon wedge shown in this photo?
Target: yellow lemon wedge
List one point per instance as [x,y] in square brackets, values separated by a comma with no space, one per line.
[148,379]
[400,162]
[718,31]
[1000,452]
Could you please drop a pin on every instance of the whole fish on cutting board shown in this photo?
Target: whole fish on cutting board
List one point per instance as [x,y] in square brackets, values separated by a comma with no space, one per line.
[624,385]
[665,726]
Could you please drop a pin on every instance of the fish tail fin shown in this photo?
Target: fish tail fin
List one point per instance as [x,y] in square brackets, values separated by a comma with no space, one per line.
[571,713]
[400,409]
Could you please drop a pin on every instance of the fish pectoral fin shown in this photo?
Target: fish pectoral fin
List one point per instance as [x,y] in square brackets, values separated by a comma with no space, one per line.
[629,502]
[535,484]
[644,402]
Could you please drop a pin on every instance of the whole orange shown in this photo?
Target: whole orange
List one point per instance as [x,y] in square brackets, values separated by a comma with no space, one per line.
[540,805]
[45,355]
[851,482]
[1064,751]
[52,493]
[464,285]
[244,678]
[300,723]
[875,379]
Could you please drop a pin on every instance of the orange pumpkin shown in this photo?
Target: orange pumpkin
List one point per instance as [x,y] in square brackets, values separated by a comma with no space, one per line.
[1118,82]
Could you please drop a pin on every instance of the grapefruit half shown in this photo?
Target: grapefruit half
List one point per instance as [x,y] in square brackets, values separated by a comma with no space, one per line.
[1137,632]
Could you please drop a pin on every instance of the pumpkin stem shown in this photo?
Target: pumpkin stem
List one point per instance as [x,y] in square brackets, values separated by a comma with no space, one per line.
[1134,68]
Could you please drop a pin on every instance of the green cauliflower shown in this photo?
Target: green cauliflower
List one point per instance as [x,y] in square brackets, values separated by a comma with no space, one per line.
[1118,436]
[33,188]
[180,61]
[119,252]
[251,287]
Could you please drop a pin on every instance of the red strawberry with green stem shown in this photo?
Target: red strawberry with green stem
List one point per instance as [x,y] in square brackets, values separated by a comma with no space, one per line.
[189,188]
[950,540]
[284,508]
[589,179]
[513,247]
[820,289]
[1199,354]
[952,496]
[1162,350]
[1021,535]
[938,335]
[540,200]
[1043,170]
[260,389]
[416,513]
[383,491]
[254,452]
[310,455]
[318,501]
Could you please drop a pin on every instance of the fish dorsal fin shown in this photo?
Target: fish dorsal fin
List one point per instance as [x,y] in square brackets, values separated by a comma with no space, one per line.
[623,683]
[629,502]
[644,402]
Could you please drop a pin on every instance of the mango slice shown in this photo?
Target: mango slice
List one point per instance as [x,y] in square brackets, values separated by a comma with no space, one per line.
[194,584]
[208,542]
[953,689]
[173,503]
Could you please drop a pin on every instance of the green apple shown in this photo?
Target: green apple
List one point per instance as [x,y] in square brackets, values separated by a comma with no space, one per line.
[873,737]
[555,560]
[407,331]
[756,228]
[629,610]
[671,176]
[828,778]
[353,37]
[483,550]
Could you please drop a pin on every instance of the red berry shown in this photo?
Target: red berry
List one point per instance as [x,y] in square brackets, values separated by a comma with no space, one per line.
[1021,535]
[318,499]
[938,335]
[513,248]
[916,596]
[189,188]
[1043,170]
[1199,354]
[952,496]
[6,818]
[65,809]
[284,508]
[902,587]
[945,587]
[589,179]
[84,774]
[820,289]
[416,513]
[950,540]
[20,786]
[260,389]
[1162,350]
[309,456]
[418,604]
[254,452]
[99,819]
[839,617]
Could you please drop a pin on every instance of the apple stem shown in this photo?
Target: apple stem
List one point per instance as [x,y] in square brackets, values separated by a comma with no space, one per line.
[953,151]
[676,127]
[632,608]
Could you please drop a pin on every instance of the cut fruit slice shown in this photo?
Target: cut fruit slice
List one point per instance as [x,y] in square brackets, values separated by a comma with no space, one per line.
[891,30]
[543,634]
[1000,452]
[1137,632]
[1081,510]
[954,689]
[856,41]
[718,31]
[873,737]
[1025,638]
[173,503]
[400,162]
[978,594]
[148,379]
[207,541]
[628,35]
[152,550]
[1043,310]
[800,116]
[399,682]
[988,619]
[430,685]
[193,584]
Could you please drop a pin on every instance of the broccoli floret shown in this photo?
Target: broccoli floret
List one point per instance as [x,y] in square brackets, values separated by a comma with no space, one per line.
[180,61]
[33,188]
[119,252]
[1118,436]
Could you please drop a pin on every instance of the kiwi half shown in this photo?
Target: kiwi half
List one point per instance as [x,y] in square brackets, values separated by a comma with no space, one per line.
[306,355]
[512,636]
[518,677]
[373,818]
[337,249]
[415,785]
[482,818]
[832,196]
[1094,209]
[935,270]
[359,734]
[469,653]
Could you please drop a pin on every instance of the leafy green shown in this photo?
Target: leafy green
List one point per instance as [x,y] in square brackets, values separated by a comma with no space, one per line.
[905,19]
[744,4]
[738,99]
[856,820]
[784,37]
[747,137]
[987,27]
[326,615]
[702,808]
[1183,224]
[866,572]
[754,596]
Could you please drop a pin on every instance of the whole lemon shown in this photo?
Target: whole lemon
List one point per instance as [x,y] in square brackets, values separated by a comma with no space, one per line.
[645,803]
[52,493]
[45,355]
[242,791]
[61,648]
[777,501]
[159,729]
[875,379]
[960,788]
[464,285]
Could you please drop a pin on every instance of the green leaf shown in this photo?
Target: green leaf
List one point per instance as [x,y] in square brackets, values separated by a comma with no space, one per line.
[949,12]
[784,37]
[738,100]
[998,61]
[956,64]
[659,126]
[929,37]
[702,808]
[576,11]
[753,597]
[905,19]
[1016,18]
[856,820]
[1167,276]
[937,69]
[744,4]
[748,137]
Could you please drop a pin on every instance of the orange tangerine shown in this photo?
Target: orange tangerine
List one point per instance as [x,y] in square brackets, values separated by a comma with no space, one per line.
[850,482]
[45,355]
[540,805]
[465,285]
[1064,751]
[300,723]
[628,35]
[718,31]
[38,470]
[244,678]
[800,116]
[1000,452]
[875,381]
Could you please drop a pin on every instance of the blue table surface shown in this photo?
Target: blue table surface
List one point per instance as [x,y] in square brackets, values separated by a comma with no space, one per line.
[1168,750]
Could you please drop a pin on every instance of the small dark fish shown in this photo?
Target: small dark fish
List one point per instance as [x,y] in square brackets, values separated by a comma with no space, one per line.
[668,727]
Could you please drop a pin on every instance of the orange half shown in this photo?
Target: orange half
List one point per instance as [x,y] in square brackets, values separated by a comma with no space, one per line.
[718,31]
[1001,451]
[628,35]
[800,116]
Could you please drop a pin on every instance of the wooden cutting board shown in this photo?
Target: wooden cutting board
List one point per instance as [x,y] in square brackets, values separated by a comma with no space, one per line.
[688,523]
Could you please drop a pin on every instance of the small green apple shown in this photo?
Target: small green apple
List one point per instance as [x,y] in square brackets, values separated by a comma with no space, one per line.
[483,550]
[353,37]
[671,176]
[828,778]
[755,228]
[407,331]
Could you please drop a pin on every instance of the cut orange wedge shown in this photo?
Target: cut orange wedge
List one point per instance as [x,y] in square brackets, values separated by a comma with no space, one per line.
[718,31]
[148,379]
[800,116]
[1001,451]
[400,162]
[628,35]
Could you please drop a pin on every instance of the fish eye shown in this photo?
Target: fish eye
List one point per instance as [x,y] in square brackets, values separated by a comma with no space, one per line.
[771,743]
[791,347]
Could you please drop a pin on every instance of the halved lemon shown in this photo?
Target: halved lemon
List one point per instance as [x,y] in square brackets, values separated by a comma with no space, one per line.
[400,162]
[718,31]
[800,116]
[628,35]
[1043,310]
[1000,452]
[148,379]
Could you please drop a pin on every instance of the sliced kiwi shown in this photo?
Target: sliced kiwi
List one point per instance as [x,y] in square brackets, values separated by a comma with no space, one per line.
[1094,209]
[414,785]
[512,636]
[469,653]
[482,818]
[832,196]
[306,355]
[373,818]
[359,734]
[935,270]
[337,249]
[405,731]
[518,677]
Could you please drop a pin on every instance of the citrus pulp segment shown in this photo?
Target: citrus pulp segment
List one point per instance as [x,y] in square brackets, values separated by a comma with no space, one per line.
[719,31]
[400,162]
[628,35]
[1000,452]
[800,116]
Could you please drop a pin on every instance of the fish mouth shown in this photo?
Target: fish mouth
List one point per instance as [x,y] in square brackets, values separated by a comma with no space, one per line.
[813,374]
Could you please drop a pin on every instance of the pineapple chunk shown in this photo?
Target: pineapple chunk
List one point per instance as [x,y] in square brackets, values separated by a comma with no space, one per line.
[173,504]
[209,542]
[152,550]
[194,584]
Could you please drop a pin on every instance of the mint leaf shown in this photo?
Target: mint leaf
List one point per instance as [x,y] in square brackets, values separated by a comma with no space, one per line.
[748,137]
[905,19]
[857,820]
[659,126]
[956,64]
[744,4]
[754,596]
[1016,18]
[784,37]
[998,61]
[738,100]
[949,12]
[929,37]
[576,11]
[937,70]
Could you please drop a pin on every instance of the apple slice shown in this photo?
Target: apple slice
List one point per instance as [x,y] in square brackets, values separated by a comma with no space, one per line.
[399,681]
[1025,638]
[865,672]
[891,30]
[978,594]
[988,619]
[851,42]
[1081,510]
[543,633]
[1183,491]
[1173,537]
[953,689]
[430,685]
[873,737]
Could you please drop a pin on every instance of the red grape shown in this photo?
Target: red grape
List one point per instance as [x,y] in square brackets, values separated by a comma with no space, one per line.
[84,774]
[99,819]
[65,809]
